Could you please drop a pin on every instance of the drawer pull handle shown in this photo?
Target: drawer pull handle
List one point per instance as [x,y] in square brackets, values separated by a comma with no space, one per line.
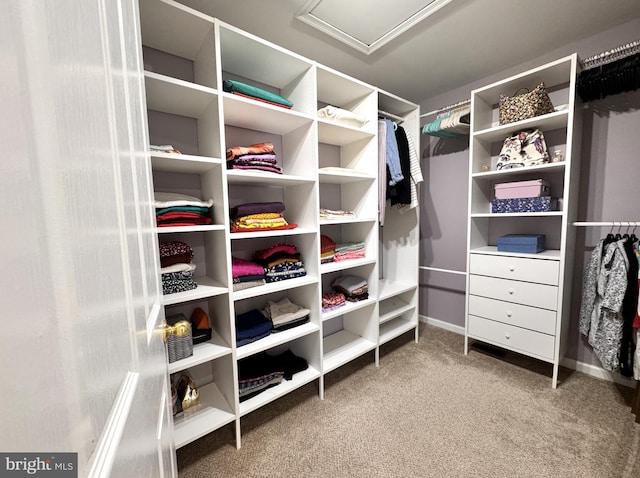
[512,268]
[509,314]
[511,291]
[507,335]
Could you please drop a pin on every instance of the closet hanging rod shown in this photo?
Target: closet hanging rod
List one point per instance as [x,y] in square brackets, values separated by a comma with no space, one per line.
[446,108]
[620,51]
[608,224]
[436,269]
[390,116]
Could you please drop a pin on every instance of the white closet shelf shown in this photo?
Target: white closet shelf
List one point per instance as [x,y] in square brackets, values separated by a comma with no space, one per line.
[342,347]
[387,289]
[550,254]
[348,220]
[212,413]
[179,229]
[183,163]
[204,352]
[550,121]
[542,168]
[183,30]
[277,233]
[345,265]
[394,328]
[265,178]
[274,287]
[178,97]
[244,54]
[348,307]
[255,115]
[275,339]
[336,88]
[330,132]
[207,287]
[343,177]
[392,308]
[270,394]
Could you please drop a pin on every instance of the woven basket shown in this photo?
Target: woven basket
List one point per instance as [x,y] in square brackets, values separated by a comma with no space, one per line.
[179,347]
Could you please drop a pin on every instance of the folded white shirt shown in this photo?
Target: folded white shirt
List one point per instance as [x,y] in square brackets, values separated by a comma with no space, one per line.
[342,116]
[175,199]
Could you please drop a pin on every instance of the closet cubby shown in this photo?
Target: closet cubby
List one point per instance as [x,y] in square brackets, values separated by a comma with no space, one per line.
[175,29]
[349,335]
[324,163]
[307,347]
[216,388]
[496,276]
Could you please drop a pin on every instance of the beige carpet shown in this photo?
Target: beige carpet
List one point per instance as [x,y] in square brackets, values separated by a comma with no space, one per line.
[431,411]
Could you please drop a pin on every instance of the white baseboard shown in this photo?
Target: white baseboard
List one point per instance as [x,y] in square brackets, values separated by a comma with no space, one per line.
[442,325]
[587,369]
[597,372]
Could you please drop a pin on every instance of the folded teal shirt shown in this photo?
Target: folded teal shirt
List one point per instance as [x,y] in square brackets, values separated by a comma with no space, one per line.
[249,90]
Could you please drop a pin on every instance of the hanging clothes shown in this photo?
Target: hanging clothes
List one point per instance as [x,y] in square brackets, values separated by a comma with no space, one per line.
[609,302]
[610,73]
[400,191]
[450,123]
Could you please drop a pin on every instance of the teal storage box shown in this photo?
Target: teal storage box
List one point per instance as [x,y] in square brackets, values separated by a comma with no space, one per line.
[526,243]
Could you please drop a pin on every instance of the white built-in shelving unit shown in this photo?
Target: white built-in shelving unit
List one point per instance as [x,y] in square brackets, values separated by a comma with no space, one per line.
[518,301]
[187,55]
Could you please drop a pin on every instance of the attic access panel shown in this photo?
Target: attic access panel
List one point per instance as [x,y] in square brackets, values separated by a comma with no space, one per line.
[367,25]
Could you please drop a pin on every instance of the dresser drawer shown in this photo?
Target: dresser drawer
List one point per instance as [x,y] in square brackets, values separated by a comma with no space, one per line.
[526,293]
[513,338]
[540,271]
[532,318]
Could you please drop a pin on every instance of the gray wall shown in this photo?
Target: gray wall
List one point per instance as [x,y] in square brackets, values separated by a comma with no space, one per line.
[609,189]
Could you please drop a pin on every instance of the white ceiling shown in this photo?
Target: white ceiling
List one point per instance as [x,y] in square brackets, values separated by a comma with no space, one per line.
[462,42]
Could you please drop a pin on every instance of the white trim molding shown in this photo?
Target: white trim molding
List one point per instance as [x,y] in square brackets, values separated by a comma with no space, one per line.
[306,15]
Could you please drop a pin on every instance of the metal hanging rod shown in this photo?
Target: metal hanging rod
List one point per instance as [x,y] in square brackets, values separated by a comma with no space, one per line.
[436,269]
[447,108]
[388,115]
[608,224]
[610,55]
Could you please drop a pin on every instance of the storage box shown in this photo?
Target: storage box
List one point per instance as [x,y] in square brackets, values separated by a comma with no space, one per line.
[534,204]
[527,243]
[522,189]
[180,338]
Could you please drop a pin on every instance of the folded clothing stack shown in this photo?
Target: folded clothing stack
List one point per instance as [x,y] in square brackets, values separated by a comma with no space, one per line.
[261,371]
[176,267]
[332,300]
[331,214]
[246,274]
[257,157]
[173,209]
[280,262]
[349,250]
[327,249]
[250,91]
[163,148]
[354,288]
[342,116]
[284,314]
[251,326]
[259,216]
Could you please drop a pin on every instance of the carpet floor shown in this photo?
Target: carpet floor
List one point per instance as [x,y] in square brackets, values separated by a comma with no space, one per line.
[431,411]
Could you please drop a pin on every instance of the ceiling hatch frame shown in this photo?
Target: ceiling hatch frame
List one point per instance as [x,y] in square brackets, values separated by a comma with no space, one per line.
[307,16]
